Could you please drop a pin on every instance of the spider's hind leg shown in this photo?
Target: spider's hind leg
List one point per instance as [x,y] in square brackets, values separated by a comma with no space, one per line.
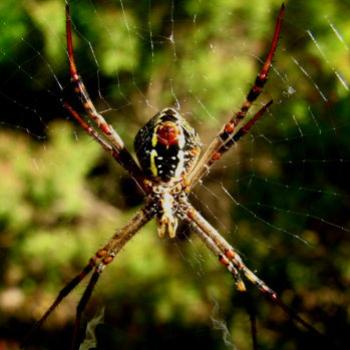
[107,255]
[97,263]
[229,257]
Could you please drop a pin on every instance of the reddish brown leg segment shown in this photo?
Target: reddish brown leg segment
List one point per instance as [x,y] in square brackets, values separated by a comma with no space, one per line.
[217,243]
[101,259]
[122,155]
[239,124]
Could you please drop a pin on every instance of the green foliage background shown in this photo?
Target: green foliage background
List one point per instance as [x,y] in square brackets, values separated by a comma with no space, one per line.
[61,197]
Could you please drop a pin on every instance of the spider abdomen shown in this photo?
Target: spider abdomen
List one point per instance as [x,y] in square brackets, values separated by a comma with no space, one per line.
[167,146]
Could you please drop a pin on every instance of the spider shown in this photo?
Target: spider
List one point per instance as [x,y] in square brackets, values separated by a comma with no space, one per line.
[169,166]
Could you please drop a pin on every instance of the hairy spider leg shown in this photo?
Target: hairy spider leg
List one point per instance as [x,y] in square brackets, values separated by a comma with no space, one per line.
[103,257]
[108,253]
[228,255]
[243,131]
[232,269]
[222,259]
[239,119]
[105,145]
[61,295]
[82,305]
[124,157]
[90,130]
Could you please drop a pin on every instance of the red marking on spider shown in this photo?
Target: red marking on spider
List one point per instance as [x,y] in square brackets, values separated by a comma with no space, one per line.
[105,128]
[223,260]
[107,260]
[167,134]
[230,254]
[101,253]
[229,127]
[257,89]
[216,156]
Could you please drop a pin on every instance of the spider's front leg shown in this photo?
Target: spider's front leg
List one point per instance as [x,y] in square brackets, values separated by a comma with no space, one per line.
[240,123]
[115,144]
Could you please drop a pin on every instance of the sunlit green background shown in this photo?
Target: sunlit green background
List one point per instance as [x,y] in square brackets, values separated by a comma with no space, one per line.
[61,197]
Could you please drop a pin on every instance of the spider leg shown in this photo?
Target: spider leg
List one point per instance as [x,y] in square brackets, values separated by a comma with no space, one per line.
[61,295]
[108,253]
[228,256]
[208,241]
[124,158]
[103,257]
[253,329]
[226,145]
[239,123]
[220,247]
[92,132]
[81,307]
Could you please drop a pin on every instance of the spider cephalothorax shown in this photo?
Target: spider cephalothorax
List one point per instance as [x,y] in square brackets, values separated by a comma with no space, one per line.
[167,148]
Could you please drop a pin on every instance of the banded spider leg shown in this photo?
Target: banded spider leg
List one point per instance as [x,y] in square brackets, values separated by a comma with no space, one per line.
[103,257]
[230,258]
[117,147]
[240,123]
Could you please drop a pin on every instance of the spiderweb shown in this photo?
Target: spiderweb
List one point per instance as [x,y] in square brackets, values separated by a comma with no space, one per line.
[280,196]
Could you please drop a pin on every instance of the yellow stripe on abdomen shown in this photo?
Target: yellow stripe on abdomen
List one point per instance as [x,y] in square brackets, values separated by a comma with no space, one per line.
[153,165]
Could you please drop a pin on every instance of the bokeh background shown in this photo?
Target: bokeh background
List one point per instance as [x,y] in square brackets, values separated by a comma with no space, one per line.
[281,196]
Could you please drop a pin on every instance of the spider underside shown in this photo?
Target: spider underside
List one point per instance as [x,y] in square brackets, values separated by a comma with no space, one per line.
[168,152]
